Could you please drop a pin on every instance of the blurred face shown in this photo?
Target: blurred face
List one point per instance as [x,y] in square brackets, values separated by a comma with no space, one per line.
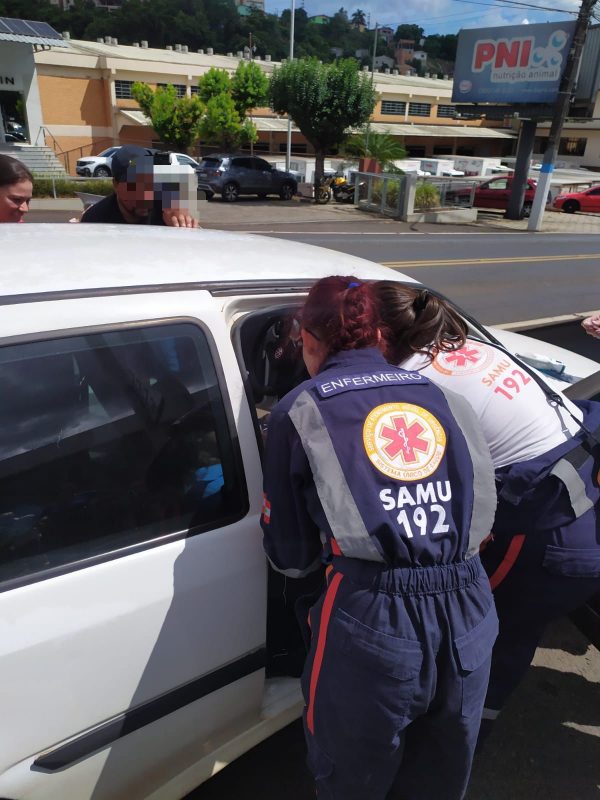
[135,196]
[14,201]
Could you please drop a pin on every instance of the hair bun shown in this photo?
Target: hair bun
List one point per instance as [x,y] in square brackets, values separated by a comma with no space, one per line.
[420,300]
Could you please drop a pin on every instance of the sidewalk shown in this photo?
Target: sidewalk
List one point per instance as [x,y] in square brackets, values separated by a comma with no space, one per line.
[248,213]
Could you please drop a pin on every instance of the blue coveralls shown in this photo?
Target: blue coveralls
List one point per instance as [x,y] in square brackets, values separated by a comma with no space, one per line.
[544,558]
[366,468]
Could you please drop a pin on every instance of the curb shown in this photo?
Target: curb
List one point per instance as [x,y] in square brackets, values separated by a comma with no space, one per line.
[544,322]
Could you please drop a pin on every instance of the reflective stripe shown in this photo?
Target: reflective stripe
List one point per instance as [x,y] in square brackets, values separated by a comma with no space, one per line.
[566,472]
[490,713]
[297,573]
[484,485]
[345,520]
[508,562]
[320,650]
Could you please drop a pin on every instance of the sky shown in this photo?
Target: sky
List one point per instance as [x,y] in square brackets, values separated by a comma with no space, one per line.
[437,16]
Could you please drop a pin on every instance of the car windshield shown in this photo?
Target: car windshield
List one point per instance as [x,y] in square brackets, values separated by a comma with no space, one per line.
[210,162]
[111,151]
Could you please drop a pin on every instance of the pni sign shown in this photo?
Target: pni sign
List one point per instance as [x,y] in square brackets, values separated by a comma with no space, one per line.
[512,64]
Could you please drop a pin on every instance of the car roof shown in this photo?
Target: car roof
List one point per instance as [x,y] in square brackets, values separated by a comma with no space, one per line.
[87,259]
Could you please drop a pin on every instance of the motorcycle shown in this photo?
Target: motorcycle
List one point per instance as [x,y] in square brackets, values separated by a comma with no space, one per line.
[324,192]
[343,192]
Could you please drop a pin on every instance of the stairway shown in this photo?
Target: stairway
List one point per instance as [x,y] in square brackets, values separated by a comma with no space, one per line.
[41,161]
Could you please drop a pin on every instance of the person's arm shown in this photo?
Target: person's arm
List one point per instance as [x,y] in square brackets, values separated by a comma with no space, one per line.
[591,325]
[291,538]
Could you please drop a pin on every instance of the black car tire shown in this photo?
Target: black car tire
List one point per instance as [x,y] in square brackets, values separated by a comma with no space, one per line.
[287,191]
[102,172]
[571,206]
[230,192]
[527,210]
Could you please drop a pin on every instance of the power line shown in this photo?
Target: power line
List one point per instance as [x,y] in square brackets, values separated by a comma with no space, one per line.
[516,4]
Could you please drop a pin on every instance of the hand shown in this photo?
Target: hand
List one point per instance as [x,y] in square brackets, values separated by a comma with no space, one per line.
[591,325]
[179,219]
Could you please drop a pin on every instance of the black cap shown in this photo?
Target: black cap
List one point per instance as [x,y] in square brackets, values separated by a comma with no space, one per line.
[131,157]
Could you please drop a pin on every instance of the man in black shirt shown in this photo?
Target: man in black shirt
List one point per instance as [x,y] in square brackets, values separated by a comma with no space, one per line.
[133,199]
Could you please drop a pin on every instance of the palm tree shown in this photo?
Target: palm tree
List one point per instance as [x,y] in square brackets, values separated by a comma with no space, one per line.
[385,148]
[358,18]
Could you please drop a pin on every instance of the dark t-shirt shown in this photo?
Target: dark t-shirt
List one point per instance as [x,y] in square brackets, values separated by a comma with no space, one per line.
[107,210]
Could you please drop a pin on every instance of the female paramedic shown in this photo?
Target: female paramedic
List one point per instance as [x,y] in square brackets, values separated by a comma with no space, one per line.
[387,479]
[543,559]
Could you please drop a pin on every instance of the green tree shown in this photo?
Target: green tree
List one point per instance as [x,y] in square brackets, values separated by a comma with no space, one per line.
[222,125]
[249,89]
[324,100]
[176,120]
[383,147]
[358,18]
[213,83]
[414,32]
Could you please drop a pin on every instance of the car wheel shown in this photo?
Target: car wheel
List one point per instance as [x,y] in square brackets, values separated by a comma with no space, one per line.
[287,191]
[102,172]
[570,207]
[230,192]
[526,210]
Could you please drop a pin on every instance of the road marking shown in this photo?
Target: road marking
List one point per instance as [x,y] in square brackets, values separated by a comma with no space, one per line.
[453,262]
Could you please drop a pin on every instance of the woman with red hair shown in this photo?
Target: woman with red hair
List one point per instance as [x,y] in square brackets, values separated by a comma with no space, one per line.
[386,479]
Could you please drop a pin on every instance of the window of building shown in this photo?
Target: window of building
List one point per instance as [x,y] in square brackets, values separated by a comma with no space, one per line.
[393,107]
[572,147]
[465,151]
[441,150]
[419,109]
[260,147]
[446,111]
[179,88]
[297,147]
[111,441]
[194,89]
[123,90]
[415,151]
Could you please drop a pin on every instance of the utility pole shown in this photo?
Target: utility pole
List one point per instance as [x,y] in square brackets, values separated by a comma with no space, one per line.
[561,110]
[288,151]
[372,82]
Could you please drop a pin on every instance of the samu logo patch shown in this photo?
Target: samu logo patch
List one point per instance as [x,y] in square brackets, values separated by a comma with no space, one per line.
[404,441]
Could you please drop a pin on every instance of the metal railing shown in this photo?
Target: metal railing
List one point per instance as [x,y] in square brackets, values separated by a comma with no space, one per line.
[389,194]
[58,151]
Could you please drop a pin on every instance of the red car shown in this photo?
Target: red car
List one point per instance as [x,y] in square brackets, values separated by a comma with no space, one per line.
[495,193]
[587,200]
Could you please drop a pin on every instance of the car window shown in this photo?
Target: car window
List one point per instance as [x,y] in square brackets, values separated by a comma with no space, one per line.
[261,164]
[243,163]
[501,183]
[596,190]
[186,160]
[211,163]
[111,440]
[111,151]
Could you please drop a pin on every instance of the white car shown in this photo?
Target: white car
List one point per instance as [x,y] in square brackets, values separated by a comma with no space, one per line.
[136,366]
[100,166]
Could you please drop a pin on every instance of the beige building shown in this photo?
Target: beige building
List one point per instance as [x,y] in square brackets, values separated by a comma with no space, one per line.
[86,103]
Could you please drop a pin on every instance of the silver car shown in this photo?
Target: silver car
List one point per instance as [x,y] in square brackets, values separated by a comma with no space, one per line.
[232,175]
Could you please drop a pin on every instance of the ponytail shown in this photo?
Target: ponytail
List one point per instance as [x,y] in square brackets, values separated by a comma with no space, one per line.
[342,312]
[415,321]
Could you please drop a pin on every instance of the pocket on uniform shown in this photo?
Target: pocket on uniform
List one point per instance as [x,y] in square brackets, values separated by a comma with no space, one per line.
[377,675]
[474,651]
[376,651]
[572,563]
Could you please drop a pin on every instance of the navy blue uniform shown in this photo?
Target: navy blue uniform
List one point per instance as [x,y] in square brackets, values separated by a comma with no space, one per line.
[544,558]
[368,471]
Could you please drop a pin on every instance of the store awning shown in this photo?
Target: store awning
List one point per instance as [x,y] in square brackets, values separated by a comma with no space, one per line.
[28,31]
[279,125]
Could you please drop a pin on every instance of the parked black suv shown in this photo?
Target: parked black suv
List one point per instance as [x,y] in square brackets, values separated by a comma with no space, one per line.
[233,175]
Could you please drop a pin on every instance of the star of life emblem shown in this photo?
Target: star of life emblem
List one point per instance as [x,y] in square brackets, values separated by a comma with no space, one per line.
[404,441]
[472,357]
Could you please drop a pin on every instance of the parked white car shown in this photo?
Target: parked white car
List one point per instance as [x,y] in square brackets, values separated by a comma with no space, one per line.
[100,166]
[135,365]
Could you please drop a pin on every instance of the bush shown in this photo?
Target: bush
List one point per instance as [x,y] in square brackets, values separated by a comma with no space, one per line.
[66,187]
[426,196]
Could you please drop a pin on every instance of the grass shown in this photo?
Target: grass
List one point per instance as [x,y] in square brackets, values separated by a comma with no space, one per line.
[66,187]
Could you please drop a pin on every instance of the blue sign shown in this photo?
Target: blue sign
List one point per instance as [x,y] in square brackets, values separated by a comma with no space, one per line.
[511,64]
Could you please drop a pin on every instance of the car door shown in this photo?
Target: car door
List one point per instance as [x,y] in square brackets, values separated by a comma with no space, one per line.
[493,194]
[132,578]
[264,176]
[243,173]
[590,200]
